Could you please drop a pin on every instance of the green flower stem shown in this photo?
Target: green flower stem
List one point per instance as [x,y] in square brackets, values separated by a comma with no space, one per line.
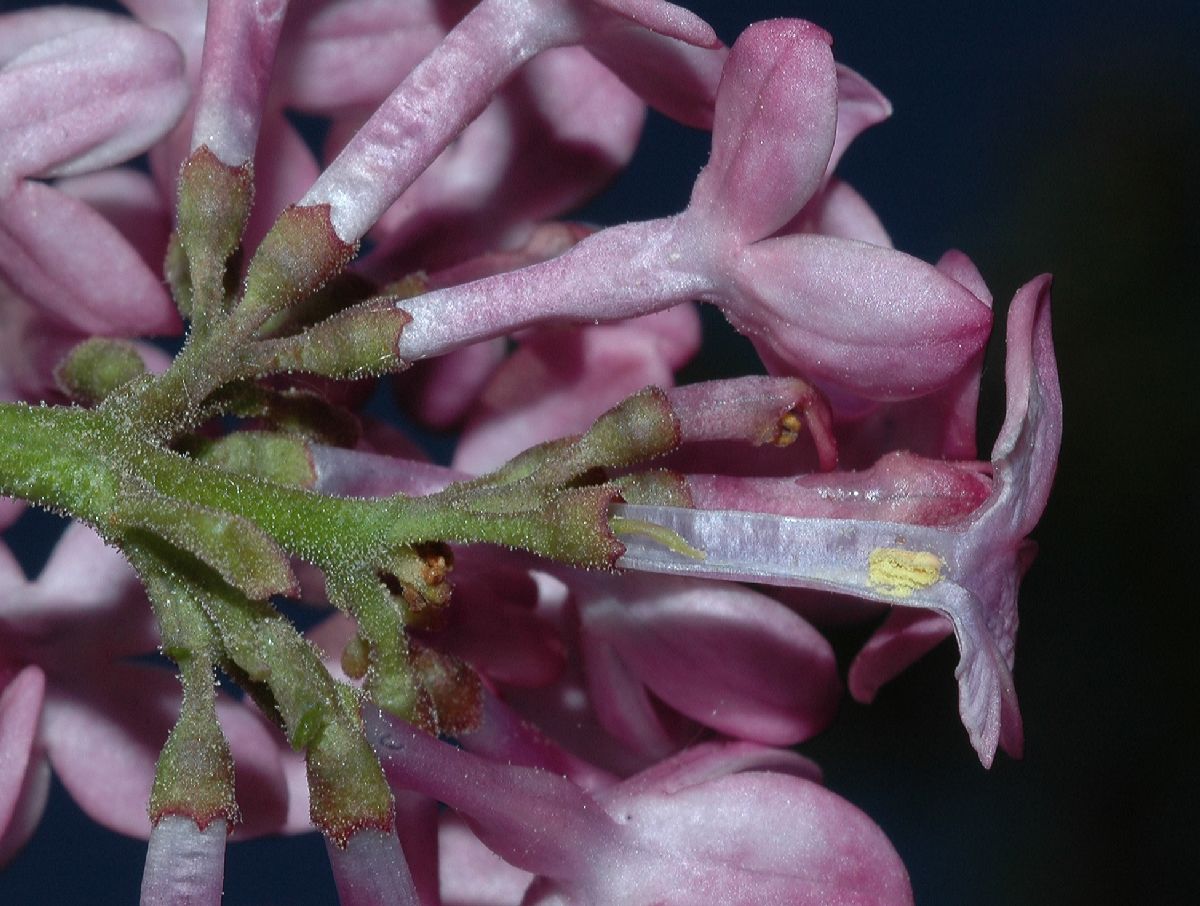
[194,776]
[84,462]
[318,714]
[47,457]
[389,678]
[160,408]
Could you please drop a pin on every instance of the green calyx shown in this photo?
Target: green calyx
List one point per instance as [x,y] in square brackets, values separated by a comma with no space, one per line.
[194,774]
[296,258]
[356,343]
[213,208]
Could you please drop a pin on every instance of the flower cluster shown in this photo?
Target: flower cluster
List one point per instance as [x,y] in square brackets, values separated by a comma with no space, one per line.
[578,635]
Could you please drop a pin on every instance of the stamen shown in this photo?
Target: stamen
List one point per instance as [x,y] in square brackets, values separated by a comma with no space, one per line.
[623,525]
[899,572]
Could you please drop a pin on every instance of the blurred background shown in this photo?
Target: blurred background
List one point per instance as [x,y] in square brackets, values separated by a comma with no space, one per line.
[1036,137]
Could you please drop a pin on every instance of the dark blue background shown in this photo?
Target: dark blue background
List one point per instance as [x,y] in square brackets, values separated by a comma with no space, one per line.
[1035,137]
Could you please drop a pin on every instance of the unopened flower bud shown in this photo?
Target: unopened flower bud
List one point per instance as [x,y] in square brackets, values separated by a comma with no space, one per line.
[97,367]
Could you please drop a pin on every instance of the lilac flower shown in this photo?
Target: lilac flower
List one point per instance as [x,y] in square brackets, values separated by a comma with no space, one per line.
[967,570]
[612,729]
[708,826]
[864,319]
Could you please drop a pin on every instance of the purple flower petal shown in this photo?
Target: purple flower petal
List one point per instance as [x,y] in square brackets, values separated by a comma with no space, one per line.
[102,287]
[24,774]
[130,201]
[864,319]
[838,210]
[24,28]
[87,99]
[338,56]
[622,704]
[753,838]
[773,131]
[860,106]
[725,656]
[683,834]
[905,636]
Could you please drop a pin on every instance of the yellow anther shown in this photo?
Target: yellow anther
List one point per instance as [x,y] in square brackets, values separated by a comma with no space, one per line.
[899,572]
[789,428]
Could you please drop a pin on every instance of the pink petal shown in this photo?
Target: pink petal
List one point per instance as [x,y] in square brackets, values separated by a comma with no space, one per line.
[86,607]
[1030,437]
[622,704]
[905,637]
[710,760]
[102,287]
[752,838]
[939,425]
[355,52]
[662,18]
[774,129]
[87,99]
[24,28]
[864,319]
[130,201]
[676,78]
[31,345]
[24,777]
[724,655]
[860,105]
[838,210]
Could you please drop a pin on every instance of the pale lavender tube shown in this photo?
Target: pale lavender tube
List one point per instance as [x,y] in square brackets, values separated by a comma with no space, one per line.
[185,866]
